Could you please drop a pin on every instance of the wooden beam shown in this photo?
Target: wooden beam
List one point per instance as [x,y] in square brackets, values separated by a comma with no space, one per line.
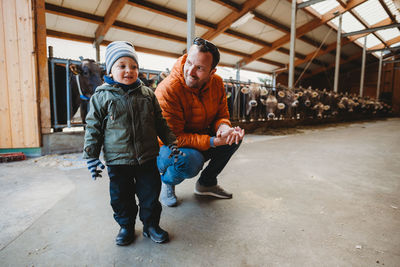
[161,10]
[90,40]
[385,7]
[355,56]
[42,66]
[182,17]
[300,31]
[229,4]
[80,38]
[109,18]
[73,14]
[332,46]
[388,42]
[281,27]
[226,22]
[150,32]
[267,21]
[259,42]
[365,24]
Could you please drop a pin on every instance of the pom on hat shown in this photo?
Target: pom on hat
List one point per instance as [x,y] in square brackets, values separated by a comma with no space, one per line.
[119,49]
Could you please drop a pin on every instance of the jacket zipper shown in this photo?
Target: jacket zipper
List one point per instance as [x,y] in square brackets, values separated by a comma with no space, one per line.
[131,116]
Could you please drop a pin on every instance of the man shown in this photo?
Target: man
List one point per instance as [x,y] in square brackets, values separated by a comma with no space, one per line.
[194,104]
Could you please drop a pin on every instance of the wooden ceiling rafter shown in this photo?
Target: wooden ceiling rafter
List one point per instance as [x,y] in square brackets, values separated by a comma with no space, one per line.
[109,18]
[90,40]
[365,24]
[227,21]
[182,17]
[332,65]
[268,21]
[389,43]
[138,29]
[332,46]
[161,10]
[388,12]
[300,31]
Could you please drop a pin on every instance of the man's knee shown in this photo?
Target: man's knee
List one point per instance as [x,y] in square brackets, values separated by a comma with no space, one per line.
[191,164]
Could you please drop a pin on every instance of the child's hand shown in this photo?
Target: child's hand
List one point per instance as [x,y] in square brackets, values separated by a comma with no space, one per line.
[175,152]
[92,166]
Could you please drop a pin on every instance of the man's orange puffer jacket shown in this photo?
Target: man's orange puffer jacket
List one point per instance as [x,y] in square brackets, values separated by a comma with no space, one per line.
[193,115]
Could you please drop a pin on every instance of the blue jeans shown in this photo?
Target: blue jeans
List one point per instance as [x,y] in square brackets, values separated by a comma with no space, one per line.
[191,164]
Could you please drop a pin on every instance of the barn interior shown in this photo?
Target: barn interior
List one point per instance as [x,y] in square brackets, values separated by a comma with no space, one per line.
[326,195]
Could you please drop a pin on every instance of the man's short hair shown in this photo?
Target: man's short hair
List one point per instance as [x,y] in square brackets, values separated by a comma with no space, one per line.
[207,46]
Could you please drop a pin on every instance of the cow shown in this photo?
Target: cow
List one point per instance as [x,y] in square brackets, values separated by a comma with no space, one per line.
[307,98]
[83,80]
[346,104]
[272,106]
[253,109]
[289,99]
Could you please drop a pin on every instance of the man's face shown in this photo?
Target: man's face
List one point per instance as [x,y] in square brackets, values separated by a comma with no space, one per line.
[197,69]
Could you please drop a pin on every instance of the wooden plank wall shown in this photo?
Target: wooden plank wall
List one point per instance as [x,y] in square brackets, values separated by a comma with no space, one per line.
[19,120]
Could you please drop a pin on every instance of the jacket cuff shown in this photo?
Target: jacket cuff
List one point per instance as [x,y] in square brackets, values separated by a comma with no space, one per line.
[212,142]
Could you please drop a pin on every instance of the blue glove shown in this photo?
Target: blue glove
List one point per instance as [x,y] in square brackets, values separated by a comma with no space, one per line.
[175,152]
[92,166]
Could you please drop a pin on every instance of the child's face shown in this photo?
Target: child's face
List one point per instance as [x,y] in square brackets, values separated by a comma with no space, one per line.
[125,70]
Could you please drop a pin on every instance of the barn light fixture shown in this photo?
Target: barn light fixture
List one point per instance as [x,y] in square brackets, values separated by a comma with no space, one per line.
[242,20]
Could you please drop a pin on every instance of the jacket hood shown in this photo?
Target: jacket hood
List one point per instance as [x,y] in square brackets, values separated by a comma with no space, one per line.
[177,74]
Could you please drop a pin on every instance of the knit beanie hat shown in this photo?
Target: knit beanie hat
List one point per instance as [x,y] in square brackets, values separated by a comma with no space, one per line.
[119,49]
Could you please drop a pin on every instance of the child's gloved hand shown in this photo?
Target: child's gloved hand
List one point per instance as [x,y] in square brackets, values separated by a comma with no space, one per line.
[92,165]
[175,152]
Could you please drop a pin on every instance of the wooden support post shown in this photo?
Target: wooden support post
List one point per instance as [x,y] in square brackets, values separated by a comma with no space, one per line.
[42,67]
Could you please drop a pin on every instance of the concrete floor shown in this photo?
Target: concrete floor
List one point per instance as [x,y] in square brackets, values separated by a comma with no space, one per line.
[327,196]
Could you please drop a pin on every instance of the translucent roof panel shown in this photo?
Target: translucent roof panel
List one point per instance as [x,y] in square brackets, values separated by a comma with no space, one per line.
[324,6]
[396,44]
[389,34]
[371,11]
[393,9]
[371,41]
[349,23]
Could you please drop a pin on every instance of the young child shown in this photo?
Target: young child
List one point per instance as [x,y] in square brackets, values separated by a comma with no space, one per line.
[125,118]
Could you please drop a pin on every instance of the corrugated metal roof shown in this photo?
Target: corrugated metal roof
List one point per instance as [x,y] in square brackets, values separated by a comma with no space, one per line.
[395,11]
[388,33]
[163,28]
[324,6]
[371,11]
[349,23]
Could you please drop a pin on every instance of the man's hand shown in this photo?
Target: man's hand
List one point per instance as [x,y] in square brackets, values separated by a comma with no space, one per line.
[92,165]
[235,136]
[227,135]
[175,152]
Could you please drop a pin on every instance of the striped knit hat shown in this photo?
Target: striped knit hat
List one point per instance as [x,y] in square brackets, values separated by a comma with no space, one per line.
[119,49]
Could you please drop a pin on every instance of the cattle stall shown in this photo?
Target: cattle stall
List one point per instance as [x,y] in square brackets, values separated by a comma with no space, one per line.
[252,102]
[66,96]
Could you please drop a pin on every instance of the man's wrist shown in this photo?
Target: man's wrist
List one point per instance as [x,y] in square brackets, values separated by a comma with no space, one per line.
[212,144]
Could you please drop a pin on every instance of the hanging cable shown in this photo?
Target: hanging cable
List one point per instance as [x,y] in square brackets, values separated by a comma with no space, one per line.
[315,54]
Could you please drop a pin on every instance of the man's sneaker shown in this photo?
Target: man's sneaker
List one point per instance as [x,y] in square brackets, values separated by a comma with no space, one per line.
[167,195]
[215,191]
